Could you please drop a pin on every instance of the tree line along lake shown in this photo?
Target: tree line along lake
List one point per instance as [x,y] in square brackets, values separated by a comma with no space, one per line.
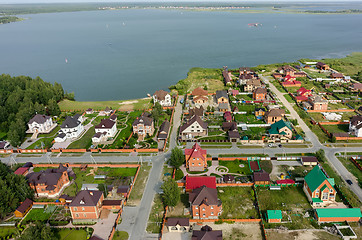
[125,54]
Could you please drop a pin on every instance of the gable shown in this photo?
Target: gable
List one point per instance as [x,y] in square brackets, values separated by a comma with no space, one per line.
[193,126]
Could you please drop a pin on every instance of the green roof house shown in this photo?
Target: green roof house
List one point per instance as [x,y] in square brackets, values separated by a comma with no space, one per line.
[274,216]
[318,188]
[281,130]
[338,214]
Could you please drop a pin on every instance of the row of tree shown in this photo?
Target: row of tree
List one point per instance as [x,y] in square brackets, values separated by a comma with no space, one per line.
[21,98]
[14,189]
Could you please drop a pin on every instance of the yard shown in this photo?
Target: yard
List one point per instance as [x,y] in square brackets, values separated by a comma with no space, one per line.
[120,235]
[237,202]
[71,234]
[340,128]
[306,234]
[156,215]
[247,118]
[140,184]
[178,210]
[85,141]
[235,166]
[38,214]
[293,203]
[254,133]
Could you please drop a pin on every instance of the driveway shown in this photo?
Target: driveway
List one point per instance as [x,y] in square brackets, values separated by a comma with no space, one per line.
[104,227]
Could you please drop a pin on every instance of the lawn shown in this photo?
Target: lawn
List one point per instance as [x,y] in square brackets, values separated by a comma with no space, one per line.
[140,184]
[289,98]
[234,166]
[71,234]
[37,214]
[237,202]
[85,141]
[120,235]
[7,231]
[254,133]
[266,165]
[178,210]
[340,128]
[247,118]
[156,215]
[291,200]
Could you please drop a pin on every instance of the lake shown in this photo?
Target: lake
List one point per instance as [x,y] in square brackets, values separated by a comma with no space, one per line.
[125,54]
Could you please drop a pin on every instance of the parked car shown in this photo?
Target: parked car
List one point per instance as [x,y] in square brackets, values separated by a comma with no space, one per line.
[349,182]
[182,101]
[280,145]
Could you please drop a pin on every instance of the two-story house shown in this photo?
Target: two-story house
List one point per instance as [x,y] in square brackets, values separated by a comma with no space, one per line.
[87,205]
[163,98]
[251,85]
[71,128]
[193,128]
[40,124]
[204,203]
[196,159]
[222,96]
[274,115]
[318,188]
[104,130]
[281,130]
[259,94]
[143,126]
[355,126]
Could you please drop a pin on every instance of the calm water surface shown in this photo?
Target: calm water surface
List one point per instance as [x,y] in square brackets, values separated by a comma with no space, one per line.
[129,53]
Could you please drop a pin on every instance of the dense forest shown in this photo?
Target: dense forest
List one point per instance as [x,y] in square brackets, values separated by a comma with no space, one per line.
[14,189]
[20,99]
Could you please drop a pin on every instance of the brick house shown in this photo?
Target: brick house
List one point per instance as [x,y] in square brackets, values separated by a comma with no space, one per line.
[86,205]
[281,130]
[222,96]
[228,116]
[178,224]
[274,115]
[162,97]
[337,76]
[274,216]
[196,158]
[322,66]
[303,94]
[193,128]
[163,131]
[200,96]
[259,94]
[261,177]
[205,203]
[251,85]
[338,214]
[142,126]
[49,183]
[200,100]
[318,103]
[318,188]
[24,208]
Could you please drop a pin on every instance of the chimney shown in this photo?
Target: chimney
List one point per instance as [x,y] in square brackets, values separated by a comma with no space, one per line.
[91,193]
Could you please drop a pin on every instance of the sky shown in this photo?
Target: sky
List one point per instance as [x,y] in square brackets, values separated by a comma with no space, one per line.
[169,1]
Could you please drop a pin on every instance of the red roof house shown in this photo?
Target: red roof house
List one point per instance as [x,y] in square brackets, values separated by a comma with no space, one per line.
[193,182]
[289,78]
[304,92]
[22,171]
[228,117]
[196,158]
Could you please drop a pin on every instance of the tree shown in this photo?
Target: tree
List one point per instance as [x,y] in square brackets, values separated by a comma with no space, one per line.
[53,108]
[38,231]
[177,158]
[156,111]
[171,193]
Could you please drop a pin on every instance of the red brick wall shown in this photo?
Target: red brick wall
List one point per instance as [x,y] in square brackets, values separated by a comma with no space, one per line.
[338,219]
[208,210]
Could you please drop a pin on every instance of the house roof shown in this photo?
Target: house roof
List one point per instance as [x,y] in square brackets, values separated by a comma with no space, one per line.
[196,152]
[49,177]
[261,176]
[227,126]
[204,195]
[234,134]
[86,198]
[254,82]
[357,86]
[320,64]
[193,120]
[123,189]
[21,170]
[164,129]
[193,182]
[160,94]
[39,118]
[112,202]
[89,110]
[206,233]
[286,181]
[24,205]
[319,99]
[70,122]
[113,117]
[226,76]
[221,93]
[143,120]
[246,69]
[301,98]
[223,105]
[105,124]
[98,134]
[315,178]
[302,91]
[275,113]
[260,90]
[309,159]
[178,221]
[199,111]
[356,121]
[277,126]
[259,109]
[200,97]
[337,75]
[199,92]
[274,214]
[338,212]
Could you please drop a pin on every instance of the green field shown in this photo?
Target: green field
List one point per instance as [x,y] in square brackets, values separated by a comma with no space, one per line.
[340,128]
[37,214]
[234,166]
[120,235]
[71,234]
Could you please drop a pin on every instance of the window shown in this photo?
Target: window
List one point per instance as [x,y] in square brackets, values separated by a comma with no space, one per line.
[203,209]
[75,209]
[199,164]
[197,213]
[203,215]
[331,191]
[212,213]
[76,215]
[193,164]
[85,215]
[212,207]
[324,196]
[83,209]
[317,191]
[196,207]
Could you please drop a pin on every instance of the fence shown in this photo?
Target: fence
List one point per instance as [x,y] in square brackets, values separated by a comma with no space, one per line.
[353,159]
[332,110]
[333,123]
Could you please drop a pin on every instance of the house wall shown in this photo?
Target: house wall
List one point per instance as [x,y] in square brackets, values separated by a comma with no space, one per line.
[271,120]
[320,106]
[262,182]
[44,127]
[110,132]
[222,100]
[196,164]
[206,212]
[87,212]
[274,220]
[40,189]
[338,219]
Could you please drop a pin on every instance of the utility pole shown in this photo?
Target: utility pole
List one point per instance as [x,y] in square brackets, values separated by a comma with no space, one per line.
[93,160]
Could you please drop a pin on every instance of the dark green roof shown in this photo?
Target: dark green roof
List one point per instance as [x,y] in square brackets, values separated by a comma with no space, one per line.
[338,212]
[274,214]
[275,127]
[324,187]
[316,200]
[298,137]
[315,178]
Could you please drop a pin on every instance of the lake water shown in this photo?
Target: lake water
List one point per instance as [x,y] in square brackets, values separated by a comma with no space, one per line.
[128,53]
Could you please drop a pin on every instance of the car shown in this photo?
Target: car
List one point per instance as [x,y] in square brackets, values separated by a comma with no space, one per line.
[280,145]
[349,182]
[182,101]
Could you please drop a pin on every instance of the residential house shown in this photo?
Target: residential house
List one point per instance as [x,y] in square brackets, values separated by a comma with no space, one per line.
[86,205]
[143,126]
[104,130]
[274,115]
[198,111]
[259,113]
[71,128]
[277,75]
[24,208]
[123,190]
[193,128]
[223,107]
[251,85]
[205,203]
[234,135]
[355,126]
[112,204]
[322,66]
[113,117]
[196,159]
[228,116]
[274,216]
[108,111]
[303,94]
[229,126]
[286,70]
[199,100]
[22,171]
[163,98]
[259,94]
[40,124]
[335,75]
[318,188]
[50,182]
[206,233]
[318,103]
[163,131]
[300,74]
[4,144]
[200,96]
[222,96]
[245,70]
[227,76]
[244,78]
[338,214]
[261,177]
[356,87]
[281,130]
[193,182]
[309,161]
[178,224]
[89,111]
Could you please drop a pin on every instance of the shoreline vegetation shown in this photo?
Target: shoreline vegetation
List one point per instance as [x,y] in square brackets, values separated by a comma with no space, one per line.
[9,19]
[211,80]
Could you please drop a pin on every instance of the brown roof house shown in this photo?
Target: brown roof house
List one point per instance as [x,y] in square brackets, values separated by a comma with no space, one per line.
[227,76]
[251,85]
[86,205]
[104,130]
[193,128]
[200,96]
[318,103]
[259,94]
[24,208]
[178,224]
[205,203]
[274,115]
[40,124]
[143,126]
[261,177]
[322,66]
[337,75]
[356,87]
[206,233]
[49,183]
[198,111]
[163,131]
[163,98]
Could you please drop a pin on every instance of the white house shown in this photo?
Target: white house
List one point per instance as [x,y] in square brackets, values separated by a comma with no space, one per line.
[40,124]
[105,129]
[70,128]
[193,128]
[355,126]
[163,98]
